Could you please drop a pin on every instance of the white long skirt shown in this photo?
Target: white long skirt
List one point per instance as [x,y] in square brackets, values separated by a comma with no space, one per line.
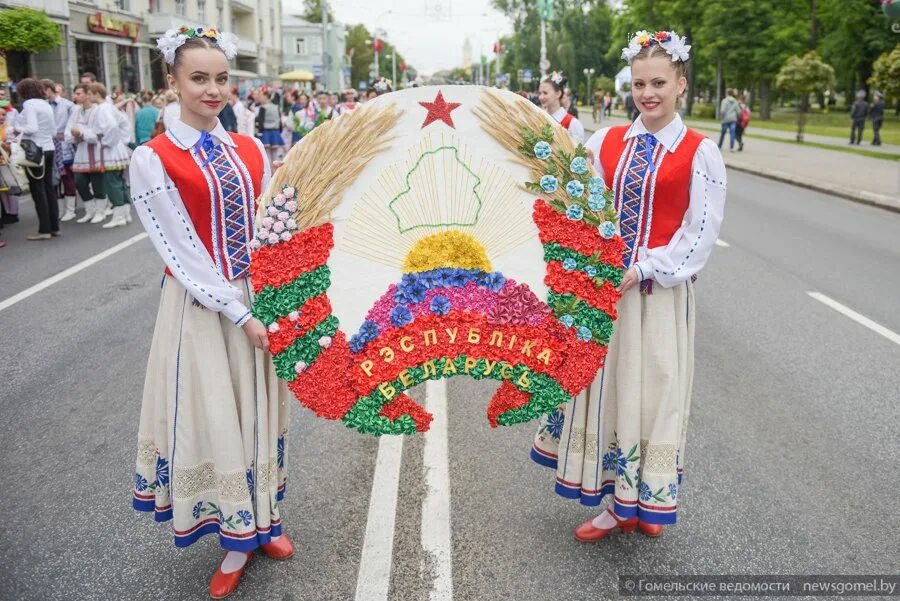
[212,440]
[625,435]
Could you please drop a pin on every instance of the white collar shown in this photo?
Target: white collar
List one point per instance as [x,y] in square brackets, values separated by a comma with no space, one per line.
[186,136]
[669,136]
[560,113]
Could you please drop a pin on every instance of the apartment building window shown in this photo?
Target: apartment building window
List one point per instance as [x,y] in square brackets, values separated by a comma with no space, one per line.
[180,8]
[301,46]
[123,4]
[201,10]
[220,10]
[154,6]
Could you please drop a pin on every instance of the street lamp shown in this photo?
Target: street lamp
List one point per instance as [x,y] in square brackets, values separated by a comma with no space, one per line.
[587,91]
[393,68]
[377,44]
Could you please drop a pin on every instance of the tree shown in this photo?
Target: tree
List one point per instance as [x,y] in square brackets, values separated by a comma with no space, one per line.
[886,75]
[801,76]
[27,30]
[359,49]
[312,11]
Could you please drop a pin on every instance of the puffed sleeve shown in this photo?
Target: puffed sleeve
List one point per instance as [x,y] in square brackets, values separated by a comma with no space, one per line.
[576,131]
[108,125]
[162,213]
[593,145]
[690,247]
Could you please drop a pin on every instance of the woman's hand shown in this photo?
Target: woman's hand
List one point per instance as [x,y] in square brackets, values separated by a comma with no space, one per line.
[630,280]
[276,165]
[256,333]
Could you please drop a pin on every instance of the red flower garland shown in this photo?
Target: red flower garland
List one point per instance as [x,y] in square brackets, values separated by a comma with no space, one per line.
[581,285]
[282,263]
[323,387]
[506,398]
[403,405]
[310,315]
[577,235]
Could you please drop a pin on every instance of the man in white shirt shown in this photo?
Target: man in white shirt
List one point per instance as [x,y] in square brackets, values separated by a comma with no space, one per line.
[62,111]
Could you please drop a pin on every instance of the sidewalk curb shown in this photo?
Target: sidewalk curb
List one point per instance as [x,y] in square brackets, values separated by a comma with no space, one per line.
[880,201]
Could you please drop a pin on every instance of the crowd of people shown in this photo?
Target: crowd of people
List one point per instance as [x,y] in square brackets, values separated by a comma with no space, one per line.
[86,137]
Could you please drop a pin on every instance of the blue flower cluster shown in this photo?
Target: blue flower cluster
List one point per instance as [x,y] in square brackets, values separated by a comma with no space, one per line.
[413,286]
[596,202]
[596,185]
[579,166]
[607,229]
[400,315]
[575,188]
[575,213]
[440,305]
[567,320]
[569,264]
[542,150]
[584,333]
[367,332]
[549,183]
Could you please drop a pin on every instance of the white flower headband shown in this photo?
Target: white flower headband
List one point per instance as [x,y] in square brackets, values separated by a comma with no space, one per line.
[670,41]
[556,77]
[174,38]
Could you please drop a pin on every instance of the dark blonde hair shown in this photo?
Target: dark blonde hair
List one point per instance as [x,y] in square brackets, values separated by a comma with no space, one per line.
[657,50]
[97,88]
[201,42]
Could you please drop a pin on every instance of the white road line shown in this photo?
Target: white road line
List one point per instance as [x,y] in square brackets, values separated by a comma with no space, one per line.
[860,319]
[374,579]
[436,539]
[722,243]
[12,300]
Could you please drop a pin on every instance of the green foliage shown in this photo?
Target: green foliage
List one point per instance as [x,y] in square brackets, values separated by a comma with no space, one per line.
[806,74]
[362,56]
[312,11]
[27,30]
[886,74]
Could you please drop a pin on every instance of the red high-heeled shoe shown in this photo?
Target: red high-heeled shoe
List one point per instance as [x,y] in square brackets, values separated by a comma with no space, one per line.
[588,533]
[280,548]
[651,530]
[223,584]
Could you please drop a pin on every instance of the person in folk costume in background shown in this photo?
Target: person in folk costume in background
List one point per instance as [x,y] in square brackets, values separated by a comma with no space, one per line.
[551,93]
[323,107]
[303,117]
[172,110]
[113,130]
[348,104]
[380,86]
[245,117]
[65,153]
[221,470]
[625,436]
[88,164]
[268,124]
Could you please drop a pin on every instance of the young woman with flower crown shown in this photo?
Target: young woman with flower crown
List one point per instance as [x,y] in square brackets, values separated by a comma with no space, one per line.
[625,437]
[550,94]
[211,440]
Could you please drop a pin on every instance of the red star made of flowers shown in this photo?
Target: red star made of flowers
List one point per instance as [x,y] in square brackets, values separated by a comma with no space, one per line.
[439,110]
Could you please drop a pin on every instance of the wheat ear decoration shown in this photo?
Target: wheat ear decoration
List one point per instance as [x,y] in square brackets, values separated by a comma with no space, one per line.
[505,118]
[328,160]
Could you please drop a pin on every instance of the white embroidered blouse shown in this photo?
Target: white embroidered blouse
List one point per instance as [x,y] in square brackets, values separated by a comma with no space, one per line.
[689,249]
[158,203]
[576,129]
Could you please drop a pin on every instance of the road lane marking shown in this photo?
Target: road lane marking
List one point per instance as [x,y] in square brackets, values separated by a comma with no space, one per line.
[12,300]
[374,578]
[721,243]
[436,538]
[860,319]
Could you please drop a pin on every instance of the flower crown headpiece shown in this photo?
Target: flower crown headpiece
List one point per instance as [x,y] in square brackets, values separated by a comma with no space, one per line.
[670,41]
[382,85]
[174,38]
[556,77]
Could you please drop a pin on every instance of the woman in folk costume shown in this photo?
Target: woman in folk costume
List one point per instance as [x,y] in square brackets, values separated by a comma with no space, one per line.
[550,94]
[625,437]
[88,162]
[211,441]
[112,130]
[65,152]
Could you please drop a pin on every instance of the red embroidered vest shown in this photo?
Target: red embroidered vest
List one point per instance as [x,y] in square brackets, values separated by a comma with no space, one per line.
[220,197]
[665,194]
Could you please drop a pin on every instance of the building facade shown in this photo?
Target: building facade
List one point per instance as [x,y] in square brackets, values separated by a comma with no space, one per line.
[116,39]
[306,46]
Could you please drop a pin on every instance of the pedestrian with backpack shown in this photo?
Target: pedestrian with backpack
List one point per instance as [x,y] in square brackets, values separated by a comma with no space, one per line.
[742,122]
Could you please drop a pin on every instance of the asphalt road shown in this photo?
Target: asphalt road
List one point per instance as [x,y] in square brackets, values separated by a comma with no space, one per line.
[791,464]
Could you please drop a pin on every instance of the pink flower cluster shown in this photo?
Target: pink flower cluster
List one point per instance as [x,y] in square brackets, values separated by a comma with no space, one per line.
[278,225]
[515,304]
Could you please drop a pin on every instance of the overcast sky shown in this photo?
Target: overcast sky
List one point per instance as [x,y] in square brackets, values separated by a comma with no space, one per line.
[429,33]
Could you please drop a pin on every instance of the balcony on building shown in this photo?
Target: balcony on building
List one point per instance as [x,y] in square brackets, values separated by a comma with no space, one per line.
[159,23]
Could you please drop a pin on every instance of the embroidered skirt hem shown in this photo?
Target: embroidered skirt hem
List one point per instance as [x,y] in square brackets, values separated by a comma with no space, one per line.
[212,439]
